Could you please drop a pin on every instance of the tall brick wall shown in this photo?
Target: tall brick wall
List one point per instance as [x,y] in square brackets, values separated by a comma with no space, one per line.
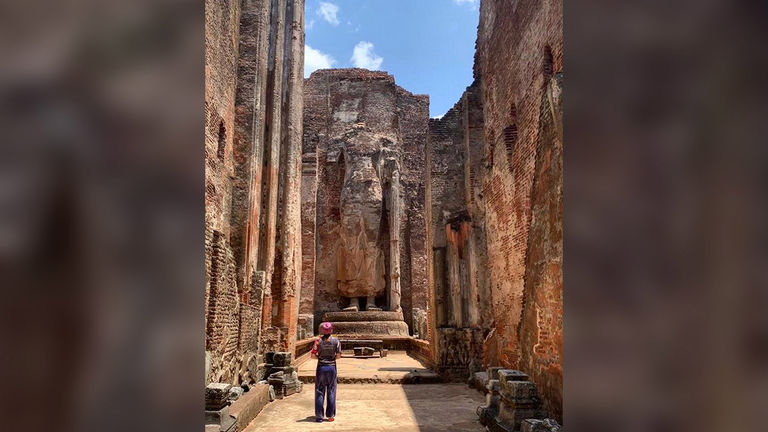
[519,47]
[541,326]
[222,301]
[494,202]
[335,102]
[253,106]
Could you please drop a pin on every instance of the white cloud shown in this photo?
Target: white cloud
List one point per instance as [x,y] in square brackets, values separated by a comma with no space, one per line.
[314,60]
[473,3]
[310,24]
[364,57]
[329,12]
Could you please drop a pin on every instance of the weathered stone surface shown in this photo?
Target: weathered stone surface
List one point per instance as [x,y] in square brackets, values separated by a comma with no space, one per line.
[216,395]
[218,416]
[520,392]
[235,393]
[284,379]
[305,326]
[282,359]
[367,137]
[479,380]
[370,328]
[334,317]
[460,352]
[534,425]
[419,323]
[364,351]
[249,405]
[508,375]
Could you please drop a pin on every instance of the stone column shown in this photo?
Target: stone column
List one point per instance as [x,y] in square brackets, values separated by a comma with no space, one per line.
[394,234]
[473,315]
[290,173]
[248,138]
[273,140]
[438,275]
[454,277]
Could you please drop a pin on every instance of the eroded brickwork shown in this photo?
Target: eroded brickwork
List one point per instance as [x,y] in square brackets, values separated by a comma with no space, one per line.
[253,106]
[494,194]
[519,48]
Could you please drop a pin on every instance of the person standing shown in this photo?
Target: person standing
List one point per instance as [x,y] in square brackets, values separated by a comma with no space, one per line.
[326,350]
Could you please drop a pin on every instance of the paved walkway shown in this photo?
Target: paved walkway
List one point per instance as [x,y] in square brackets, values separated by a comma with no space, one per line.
[371,397]
[377,408]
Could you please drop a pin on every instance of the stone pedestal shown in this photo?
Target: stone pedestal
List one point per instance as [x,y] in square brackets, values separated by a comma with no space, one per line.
[282,376]
[511,399]
[367,324]
[217,408]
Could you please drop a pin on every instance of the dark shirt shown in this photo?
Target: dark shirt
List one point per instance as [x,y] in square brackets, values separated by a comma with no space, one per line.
[326,350]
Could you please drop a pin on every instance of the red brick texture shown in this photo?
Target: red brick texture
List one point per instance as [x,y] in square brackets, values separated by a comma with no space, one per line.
[253,105]
[494,203]
[519,47]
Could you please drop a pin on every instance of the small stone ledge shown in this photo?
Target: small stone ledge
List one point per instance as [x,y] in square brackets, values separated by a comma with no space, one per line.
[250,404]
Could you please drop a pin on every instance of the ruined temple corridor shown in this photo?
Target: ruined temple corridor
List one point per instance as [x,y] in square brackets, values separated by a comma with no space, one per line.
[431,246]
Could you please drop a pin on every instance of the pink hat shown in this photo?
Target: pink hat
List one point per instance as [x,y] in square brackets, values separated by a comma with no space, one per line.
[326,328]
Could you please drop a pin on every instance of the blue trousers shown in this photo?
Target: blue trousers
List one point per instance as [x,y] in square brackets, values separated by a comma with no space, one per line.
[325,383]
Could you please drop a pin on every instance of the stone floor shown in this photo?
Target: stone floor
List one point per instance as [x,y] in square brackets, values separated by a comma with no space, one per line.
[397,367]
[378,407]
[371,398]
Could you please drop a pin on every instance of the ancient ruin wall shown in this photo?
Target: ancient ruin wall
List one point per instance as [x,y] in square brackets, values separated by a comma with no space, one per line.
[541,326]
[336,102]
[494,194]
[221,296]
[458,264]
[519,48]
[246,131]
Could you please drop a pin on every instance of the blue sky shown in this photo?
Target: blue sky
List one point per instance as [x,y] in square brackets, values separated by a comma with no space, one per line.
[428,45]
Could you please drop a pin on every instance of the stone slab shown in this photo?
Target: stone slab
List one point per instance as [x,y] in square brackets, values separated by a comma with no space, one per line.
[250,404]
[218,417]
[334,317]
[370,329]
[507,375]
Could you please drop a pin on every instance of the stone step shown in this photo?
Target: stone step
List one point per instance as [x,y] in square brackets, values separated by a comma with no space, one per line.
[414,377]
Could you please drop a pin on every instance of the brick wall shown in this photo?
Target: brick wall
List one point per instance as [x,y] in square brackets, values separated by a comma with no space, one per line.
[541,326]
[244,128]
[519,46]
[494,203]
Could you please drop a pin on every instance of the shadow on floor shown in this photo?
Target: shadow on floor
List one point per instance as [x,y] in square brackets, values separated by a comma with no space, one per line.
[308,419]
[401,369]
[441,407]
